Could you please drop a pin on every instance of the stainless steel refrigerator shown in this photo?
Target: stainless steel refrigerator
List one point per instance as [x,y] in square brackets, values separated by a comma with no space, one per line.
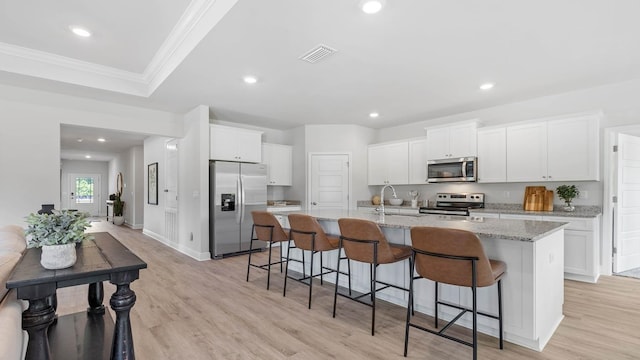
[236,189]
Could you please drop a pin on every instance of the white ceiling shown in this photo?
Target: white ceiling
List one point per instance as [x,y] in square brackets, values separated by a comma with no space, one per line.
[76,142]
[415,60]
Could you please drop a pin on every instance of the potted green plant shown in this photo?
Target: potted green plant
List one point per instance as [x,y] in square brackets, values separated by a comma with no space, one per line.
[57,234]
[118,210]
[568,193]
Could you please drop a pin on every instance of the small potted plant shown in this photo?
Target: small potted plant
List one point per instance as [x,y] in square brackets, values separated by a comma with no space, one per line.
[118,210]
[57,234]
[568,193]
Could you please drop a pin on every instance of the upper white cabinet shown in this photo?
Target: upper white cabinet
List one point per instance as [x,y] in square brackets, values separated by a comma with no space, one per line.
[527,152]
[418,161]
[388,163]
[235,144]
[279,159]
[452,141]
[492,155]
[572,149]
[554,150]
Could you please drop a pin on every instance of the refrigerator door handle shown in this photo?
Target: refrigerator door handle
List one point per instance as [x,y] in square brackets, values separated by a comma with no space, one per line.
[242,200]
[239,200]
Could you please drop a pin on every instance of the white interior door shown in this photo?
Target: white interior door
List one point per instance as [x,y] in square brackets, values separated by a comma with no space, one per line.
[170,190]
[328,181]
[627,209]
[84,193]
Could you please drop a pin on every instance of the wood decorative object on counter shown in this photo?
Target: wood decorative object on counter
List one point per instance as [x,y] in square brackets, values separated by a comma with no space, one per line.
[538,198]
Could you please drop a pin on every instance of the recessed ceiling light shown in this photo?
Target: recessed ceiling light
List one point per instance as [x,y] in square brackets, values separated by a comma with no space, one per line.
[87,156]
[487,86]
[250,79]
[371,6]
[79,139]
[102,139]
[80,31]
[374,115]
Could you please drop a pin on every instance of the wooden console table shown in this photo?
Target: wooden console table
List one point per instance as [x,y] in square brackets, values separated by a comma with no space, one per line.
[103,258]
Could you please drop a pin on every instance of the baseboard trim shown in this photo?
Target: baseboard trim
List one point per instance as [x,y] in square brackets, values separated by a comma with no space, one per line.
[200,256]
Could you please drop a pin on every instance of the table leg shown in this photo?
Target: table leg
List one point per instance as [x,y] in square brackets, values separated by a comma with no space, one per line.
[121,302]
[36,321]
[95,298]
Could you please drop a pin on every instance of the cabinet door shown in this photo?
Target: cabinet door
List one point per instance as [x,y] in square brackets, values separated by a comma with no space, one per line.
[492,155]
[248,146]
[223,143]
[463,140]
[438,143]
[418,161]
[278,159]
[377,172]
[527,152]
[573,149]
[397,163]
[578,252]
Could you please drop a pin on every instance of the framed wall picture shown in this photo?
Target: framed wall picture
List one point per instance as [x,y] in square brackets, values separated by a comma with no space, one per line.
[152,184]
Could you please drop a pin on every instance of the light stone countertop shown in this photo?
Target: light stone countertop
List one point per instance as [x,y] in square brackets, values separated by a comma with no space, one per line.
[580,211]
[519,230]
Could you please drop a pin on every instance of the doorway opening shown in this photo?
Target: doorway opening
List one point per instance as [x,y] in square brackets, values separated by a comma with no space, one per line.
[621,219]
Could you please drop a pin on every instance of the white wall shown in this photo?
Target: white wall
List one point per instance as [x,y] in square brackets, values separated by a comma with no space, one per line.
[193,185]
[86,167]
[154,151]
[30,141]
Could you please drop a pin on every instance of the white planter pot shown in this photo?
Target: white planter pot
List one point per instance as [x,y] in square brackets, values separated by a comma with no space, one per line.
[58,256]
[118,220]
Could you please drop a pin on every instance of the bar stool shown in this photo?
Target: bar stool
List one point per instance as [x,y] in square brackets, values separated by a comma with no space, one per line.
[454,257]
[363,241]
[308,235]
[266,228]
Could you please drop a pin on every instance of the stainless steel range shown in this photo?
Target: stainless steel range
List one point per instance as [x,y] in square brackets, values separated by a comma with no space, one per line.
[454,204]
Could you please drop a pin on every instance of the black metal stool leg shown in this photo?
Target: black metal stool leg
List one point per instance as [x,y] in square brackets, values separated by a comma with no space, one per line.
[436,306]
[500,311]
[269,265]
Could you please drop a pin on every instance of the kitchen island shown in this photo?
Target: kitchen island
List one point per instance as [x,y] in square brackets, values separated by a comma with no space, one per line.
[533,288]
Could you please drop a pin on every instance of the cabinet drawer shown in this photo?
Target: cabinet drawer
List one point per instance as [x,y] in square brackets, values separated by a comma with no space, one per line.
[584,224]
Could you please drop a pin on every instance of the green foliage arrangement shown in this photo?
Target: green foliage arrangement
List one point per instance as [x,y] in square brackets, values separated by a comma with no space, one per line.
[60,227]
[567,192]
[118,206]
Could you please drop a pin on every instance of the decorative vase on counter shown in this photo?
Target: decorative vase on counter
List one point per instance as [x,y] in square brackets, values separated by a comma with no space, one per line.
[56,257]
[568,206]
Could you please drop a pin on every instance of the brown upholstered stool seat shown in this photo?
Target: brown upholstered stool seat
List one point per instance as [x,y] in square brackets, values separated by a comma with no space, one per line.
[454,257]
[364,241]
[307,235]
[266,228]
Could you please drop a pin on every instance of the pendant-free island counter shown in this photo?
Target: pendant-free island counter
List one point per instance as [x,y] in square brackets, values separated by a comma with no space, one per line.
[533,288]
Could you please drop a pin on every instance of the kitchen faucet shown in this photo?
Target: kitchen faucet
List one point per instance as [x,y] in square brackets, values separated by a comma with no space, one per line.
[382,196]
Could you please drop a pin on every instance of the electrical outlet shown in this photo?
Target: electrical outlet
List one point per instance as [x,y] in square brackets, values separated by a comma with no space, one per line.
[583,195]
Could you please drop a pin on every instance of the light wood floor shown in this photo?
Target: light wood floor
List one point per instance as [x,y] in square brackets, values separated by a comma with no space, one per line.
[187,309]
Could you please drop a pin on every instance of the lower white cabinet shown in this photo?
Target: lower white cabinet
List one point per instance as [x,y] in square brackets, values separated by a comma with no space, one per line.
[581,245]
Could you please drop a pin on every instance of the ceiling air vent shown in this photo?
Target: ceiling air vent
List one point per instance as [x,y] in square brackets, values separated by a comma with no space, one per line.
[317,53]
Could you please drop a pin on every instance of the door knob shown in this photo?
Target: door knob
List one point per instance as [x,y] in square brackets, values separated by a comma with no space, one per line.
[314,203]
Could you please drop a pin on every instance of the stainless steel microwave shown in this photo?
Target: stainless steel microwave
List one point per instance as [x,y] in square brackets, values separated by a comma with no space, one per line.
[463,169]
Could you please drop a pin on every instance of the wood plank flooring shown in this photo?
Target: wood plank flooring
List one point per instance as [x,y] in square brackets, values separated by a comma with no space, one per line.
[193,310]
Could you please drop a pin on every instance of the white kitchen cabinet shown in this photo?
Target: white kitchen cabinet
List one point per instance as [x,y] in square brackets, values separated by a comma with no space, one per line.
[492,155]
[581,249]
[388,163]
[452,141]
[554,150]
[418,161]
[527,152]
[573,149]
[235,144]
[279,160]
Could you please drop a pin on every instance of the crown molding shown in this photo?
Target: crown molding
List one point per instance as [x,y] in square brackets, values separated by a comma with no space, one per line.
[195,23]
